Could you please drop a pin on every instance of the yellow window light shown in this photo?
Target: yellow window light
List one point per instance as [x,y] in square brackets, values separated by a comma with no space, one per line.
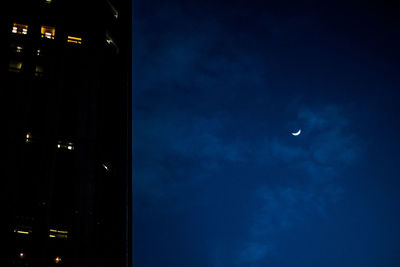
[19,28]
[21,232]
[38,71]
[28,138]
[57,259]
[66,145]
[48,32]
[74,40]
[59,234]
[15,66]
[58,231]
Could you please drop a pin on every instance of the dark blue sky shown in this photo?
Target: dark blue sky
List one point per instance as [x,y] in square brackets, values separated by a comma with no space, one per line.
[219,181]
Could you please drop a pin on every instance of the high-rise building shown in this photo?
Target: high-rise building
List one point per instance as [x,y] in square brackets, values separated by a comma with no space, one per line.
[65,97]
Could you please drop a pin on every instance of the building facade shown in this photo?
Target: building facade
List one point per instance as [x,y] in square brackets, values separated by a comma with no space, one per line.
[66,105]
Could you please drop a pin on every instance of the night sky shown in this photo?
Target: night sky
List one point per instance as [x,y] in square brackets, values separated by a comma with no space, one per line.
[218,179]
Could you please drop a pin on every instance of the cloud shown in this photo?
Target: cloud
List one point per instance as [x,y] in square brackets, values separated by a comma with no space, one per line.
[311,179]
[206,104]
[254,252]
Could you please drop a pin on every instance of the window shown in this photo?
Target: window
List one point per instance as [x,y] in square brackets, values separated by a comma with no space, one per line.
[111,42]
[59,234]
[23,230]
[48,1]
[106,167]
[28,138]
[15,66]
[66,145]
[19,29]
[74,40]
[57,260]
[38,71]
[113,10]
[48,32]
[17,48]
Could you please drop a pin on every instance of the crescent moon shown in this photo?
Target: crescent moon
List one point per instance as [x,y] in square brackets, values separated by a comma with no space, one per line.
[298,133]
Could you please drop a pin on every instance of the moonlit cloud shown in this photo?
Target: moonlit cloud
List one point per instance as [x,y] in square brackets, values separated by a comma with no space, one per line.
[218,178]
[311,181]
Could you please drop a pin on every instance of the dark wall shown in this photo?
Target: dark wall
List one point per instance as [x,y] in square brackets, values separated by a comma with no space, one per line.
[66,127]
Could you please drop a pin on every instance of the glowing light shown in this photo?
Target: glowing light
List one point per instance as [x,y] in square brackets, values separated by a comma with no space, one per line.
[22,232]
[65,145]
[48,32]
[57,260]
[15,66]
[19,28]
[21,255]
[109,41]
[28,138]
[106,167]
[75,40]
[58,231]
[52,236]
[19,49]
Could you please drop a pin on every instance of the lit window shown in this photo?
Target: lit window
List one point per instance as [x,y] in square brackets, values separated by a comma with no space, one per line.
[106,167]
[23,230]
[110,41]
[59,234]
[19,28]
[74,40]
[48,1]
[48,32]
[113,9]
[38,71]
[21,255]
[19,49]
[28,138]
[15,66]
[57,260]
[66,145]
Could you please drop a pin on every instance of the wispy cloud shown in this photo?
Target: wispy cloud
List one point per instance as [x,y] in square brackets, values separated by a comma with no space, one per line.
[205,103]
[314,164]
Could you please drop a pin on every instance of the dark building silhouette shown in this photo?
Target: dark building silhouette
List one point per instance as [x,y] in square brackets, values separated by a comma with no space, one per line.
[66,129]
